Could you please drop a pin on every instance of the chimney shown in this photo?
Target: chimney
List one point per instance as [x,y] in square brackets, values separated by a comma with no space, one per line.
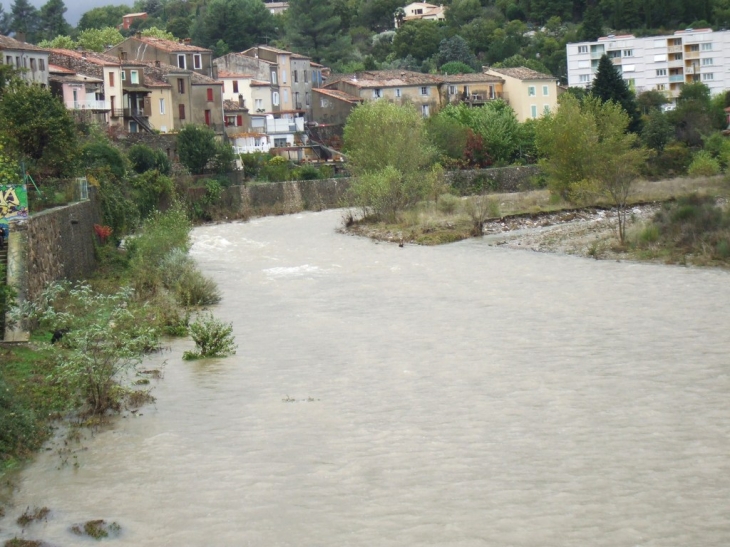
[187,41]
[20,36]
[240,100]
[138,35]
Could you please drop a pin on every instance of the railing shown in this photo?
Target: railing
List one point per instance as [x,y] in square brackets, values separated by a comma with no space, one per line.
[251,149]
[674,49]
[597,54]
[676,63]
[690,69]
[128,113]
[691,54]
[616,60]
[675,78]
[87,105]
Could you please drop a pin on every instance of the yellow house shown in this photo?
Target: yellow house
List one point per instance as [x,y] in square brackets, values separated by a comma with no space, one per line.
[531,94]
[473,89]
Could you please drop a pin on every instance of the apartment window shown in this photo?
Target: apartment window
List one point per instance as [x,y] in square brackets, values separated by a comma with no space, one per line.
[676,57]
[531,91]
[661,72]
[283,76]
[628,53]
[235,86]
[273,77]
[397,92]
[124,75]
[230,121]
[181,86]
[582,49]
[424,90]
[660,58]
[706,62]
[694,47]
[533,111]
[425,110]
[295,76]
[259,104]
[209,94]
[584,78]
[707,47]
[111,79]
[708,76]
[197,61]
[134,76]
[545,92]
[181,61]
[280,143]
[181,111]
[377,93]
[42,64]
[452,90]
[661,87]
[275,98]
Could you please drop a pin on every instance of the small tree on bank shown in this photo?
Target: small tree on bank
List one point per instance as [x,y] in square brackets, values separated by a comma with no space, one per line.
[196,147]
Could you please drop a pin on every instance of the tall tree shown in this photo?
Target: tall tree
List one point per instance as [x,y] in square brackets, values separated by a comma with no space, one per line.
[5,20]
[608,85]
[25,19]
[105,16]
[239,23]
[418,38]
[592,27]
[52,22]
[315,30]
[456,49]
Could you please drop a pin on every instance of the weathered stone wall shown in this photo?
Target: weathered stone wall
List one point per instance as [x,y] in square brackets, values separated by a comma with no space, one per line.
[499,179]
[60,244]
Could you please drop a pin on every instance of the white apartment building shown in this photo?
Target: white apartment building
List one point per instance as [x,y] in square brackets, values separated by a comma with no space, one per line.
[663,63]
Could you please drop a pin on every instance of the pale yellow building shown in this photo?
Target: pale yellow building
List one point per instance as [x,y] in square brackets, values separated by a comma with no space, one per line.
[531,94]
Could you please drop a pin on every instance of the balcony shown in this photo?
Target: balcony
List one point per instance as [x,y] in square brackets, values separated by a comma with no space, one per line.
[87,105]
[616,61]
[676,64]
[691,54]
[674,78]
[674,49]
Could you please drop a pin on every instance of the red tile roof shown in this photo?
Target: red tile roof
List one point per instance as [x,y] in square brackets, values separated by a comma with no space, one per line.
[169,45]
[337,94]
[228,74]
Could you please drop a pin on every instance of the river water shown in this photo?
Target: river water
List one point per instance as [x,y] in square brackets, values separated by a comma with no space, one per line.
[383,396]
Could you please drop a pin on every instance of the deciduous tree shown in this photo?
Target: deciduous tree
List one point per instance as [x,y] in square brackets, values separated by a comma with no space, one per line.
[196,147]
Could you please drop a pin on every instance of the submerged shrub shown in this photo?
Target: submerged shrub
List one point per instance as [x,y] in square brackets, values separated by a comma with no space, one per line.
[212,337]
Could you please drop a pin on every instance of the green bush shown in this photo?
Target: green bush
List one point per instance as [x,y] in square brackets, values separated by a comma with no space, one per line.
[306,172]
[448,204]
[180,275]
[143,158]
[18,428]
[102,154]
[703,165]
[212,337]
[253,163]
[147,190]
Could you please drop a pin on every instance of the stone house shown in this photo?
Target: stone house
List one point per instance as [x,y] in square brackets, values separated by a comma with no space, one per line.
[332,107]
[30,60]
[182,54]
[472,89]
[83,95]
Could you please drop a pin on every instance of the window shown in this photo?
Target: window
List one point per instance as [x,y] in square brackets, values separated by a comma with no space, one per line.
[397,92]
[694,47]
[628,53]
[273,77]
[111,79]
[235,86]
[306,76]
[42,64]
[533,111]
[275,98]
[377,93]
[134,76]
[706,62]
[8,60]
[584,78]
[306,98]
[209,93]
[181,61]
[197,61]
[162,106]
[295,76]
[424,110]
[283,76]
[280,143]
[706,47]
[17,62]
[124,75]
[675,57]
[546,109]
[297,104]
[286,96]
[708,76]
[424,90]
[181,111]
[207,117]
[324,103]
[230,121]
[661,72]
[582,49]
[661,87]
[531,91]
[452,90]
[545,91]
[259,104]
[660,58]
[181,86]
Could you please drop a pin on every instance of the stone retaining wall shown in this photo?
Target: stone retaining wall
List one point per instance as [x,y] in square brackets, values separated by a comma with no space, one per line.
[499,179]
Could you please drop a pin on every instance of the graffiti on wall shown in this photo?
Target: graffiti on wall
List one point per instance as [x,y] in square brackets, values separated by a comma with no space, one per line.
[13,203]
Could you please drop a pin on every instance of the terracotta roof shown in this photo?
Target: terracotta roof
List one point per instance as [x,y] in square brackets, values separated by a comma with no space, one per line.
[385,78]
[523,73]
[232,105]
[259,83]
[6,42]
[162,69]
[55,69]
[74,78]
[277,50]
[227,74]
[169,45]
[466,78]
[340,95]
[90,56]
[138,14]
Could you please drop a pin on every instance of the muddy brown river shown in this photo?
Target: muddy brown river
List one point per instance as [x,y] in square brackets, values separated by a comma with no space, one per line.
[460,395]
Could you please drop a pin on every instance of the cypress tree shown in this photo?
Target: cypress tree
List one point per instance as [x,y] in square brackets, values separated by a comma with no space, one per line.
[609,86]
[52,21]
[24,19]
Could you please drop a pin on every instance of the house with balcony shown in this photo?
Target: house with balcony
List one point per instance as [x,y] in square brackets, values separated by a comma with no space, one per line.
[182,55]
[531,94]
[660,63]
[31,61]
[268,133]
[83,95]
[472,89]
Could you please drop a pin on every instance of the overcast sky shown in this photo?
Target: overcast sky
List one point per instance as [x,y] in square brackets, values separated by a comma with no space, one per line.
[76,8]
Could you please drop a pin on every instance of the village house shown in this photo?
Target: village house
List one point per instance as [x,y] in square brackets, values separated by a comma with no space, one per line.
[178,54]
[130,18]
[82,95]
[419,10]
[531,94]
[31,61]
[472,89]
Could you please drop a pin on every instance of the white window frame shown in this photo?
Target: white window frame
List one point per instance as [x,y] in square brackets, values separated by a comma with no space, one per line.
[283,76]
[531,91]
[582,49]
[546,109]
[424,90]
[181,57]
[627,53]
[124,75]
[545,91]
[133,77]
[275,98]
[162,105]
[661,71]
[452,90]
[425,110]
[259,104]
[707,76]
[584,78]
[377,93]
[274,79]
[197,61]
[533,111]
[707,46]
[708,61]
[397,92]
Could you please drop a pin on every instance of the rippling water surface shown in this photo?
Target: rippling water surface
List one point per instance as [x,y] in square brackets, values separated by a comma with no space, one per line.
[383,396]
